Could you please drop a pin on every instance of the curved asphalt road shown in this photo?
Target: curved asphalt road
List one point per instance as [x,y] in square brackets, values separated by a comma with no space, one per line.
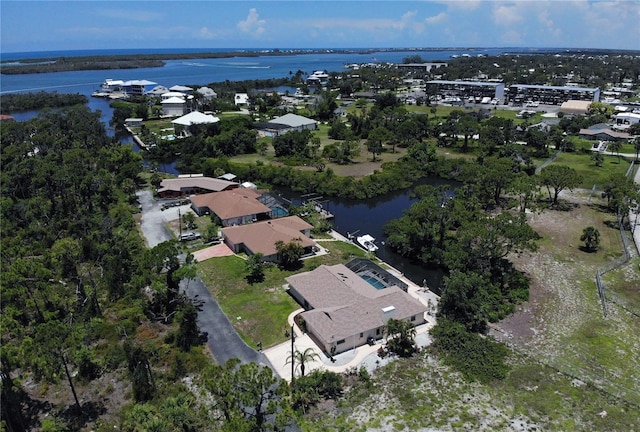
[223,340]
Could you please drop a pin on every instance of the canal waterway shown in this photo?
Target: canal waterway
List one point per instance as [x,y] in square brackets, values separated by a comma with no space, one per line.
[359,217]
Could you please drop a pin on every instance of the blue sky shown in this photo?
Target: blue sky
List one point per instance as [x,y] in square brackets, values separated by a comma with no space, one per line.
[69,25]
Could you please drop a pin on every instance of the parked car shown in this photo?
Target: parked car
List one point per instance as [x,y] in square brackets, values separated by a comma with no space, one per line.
[188,236]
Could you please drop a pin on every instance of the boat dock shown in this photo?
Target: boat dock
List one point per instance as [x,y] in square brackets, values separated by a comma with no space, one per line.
[317,202]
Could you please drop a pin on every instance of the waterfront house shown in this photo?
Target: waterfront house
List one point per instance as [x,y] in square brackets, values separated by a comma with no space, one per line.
[193,184]
[181,124]
[344,310]
[233,207]
[181,89]
[173,106]
[171,94]
[261,237]
[207,93]
[158,91]
[138,87]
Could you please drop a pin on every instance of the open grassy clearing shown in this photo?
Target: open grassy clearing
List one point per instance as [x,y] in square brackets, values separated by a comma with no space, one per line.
[563,322]
[592,174]
[263,307]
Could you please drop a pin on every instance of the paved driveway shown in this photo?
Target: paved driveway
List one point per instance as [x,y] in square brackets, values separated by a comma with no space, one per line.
[224,342]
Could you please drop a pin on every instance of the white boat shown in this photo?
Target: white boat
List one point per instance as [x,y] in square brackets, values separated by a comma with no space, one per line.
[367,242]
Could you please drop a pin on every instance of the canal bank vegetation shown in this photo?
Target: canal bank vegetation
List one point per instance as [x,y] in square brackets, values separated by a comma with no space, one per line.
[11,103]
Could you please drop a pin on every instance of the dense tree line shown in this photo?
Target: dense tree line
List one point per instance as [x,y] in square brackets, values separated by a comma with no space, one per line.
[588,69]
[77,280]
[10,103]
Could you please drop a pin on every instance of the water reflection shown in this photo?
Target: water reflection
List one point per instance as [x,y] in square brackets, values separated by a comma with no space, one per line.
[370,216]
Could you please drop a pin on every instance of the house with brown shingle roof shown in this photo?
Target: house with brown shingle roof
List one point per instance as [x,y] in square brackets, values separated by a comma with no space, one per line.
[344,311]
[182,186]
[233,207]
[261,237]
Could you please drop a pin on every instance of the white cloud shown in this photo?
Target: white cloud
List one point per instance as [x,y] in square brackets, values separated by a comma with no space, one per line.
[253,24]
[545,20]
[507,14]
[512,37]
[436,18]
[206,33]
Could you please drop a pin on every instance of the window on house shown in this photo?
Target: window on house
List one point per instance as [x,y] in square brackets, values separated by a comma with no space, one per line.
[341,341]
[361,334]
[377,332]
[413,318]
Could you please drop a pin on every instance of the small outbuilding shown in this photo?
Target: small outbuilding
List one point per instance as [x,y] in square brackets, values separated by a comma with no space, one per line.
[624,120]
[241,99]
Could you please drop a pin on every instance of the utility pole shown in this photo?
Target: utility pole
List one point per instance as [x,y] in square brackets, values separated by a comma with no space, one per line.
[293,357]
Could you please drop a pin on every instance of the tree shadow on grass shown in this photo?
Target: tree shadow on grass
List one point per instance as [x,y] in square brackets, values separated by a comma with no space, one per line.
[75,420]
[585,249]
[20,411]
[564,206]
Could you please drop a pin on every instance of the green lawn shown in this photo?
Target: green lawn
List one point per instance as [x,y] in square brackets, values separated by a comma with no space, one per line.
[592,174]
[263,307]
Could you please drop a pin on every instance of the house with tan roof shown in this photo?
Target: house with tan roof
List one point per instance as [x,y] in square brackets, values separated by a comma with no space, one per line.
[232,207]
[604,134]
[344,310]
[261,237]
[183,186]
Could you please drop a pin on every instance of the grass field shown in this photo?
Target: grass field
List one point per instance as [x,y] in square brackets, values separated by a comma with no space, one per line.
[592,174]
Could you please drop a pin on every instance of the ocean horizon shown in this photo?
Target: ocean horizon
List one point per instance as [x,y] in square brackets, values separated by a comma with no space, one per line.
[29,55]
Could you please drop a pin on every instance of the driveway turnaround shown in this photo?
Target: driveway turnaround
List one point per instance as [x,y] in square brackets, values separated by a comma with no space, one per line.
[153,220]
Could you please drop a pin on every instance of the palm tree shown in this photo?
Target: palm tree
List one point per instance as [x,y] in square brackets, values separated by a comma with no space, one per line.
[591,238]
[615,146]
[400,335]
[302,358]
